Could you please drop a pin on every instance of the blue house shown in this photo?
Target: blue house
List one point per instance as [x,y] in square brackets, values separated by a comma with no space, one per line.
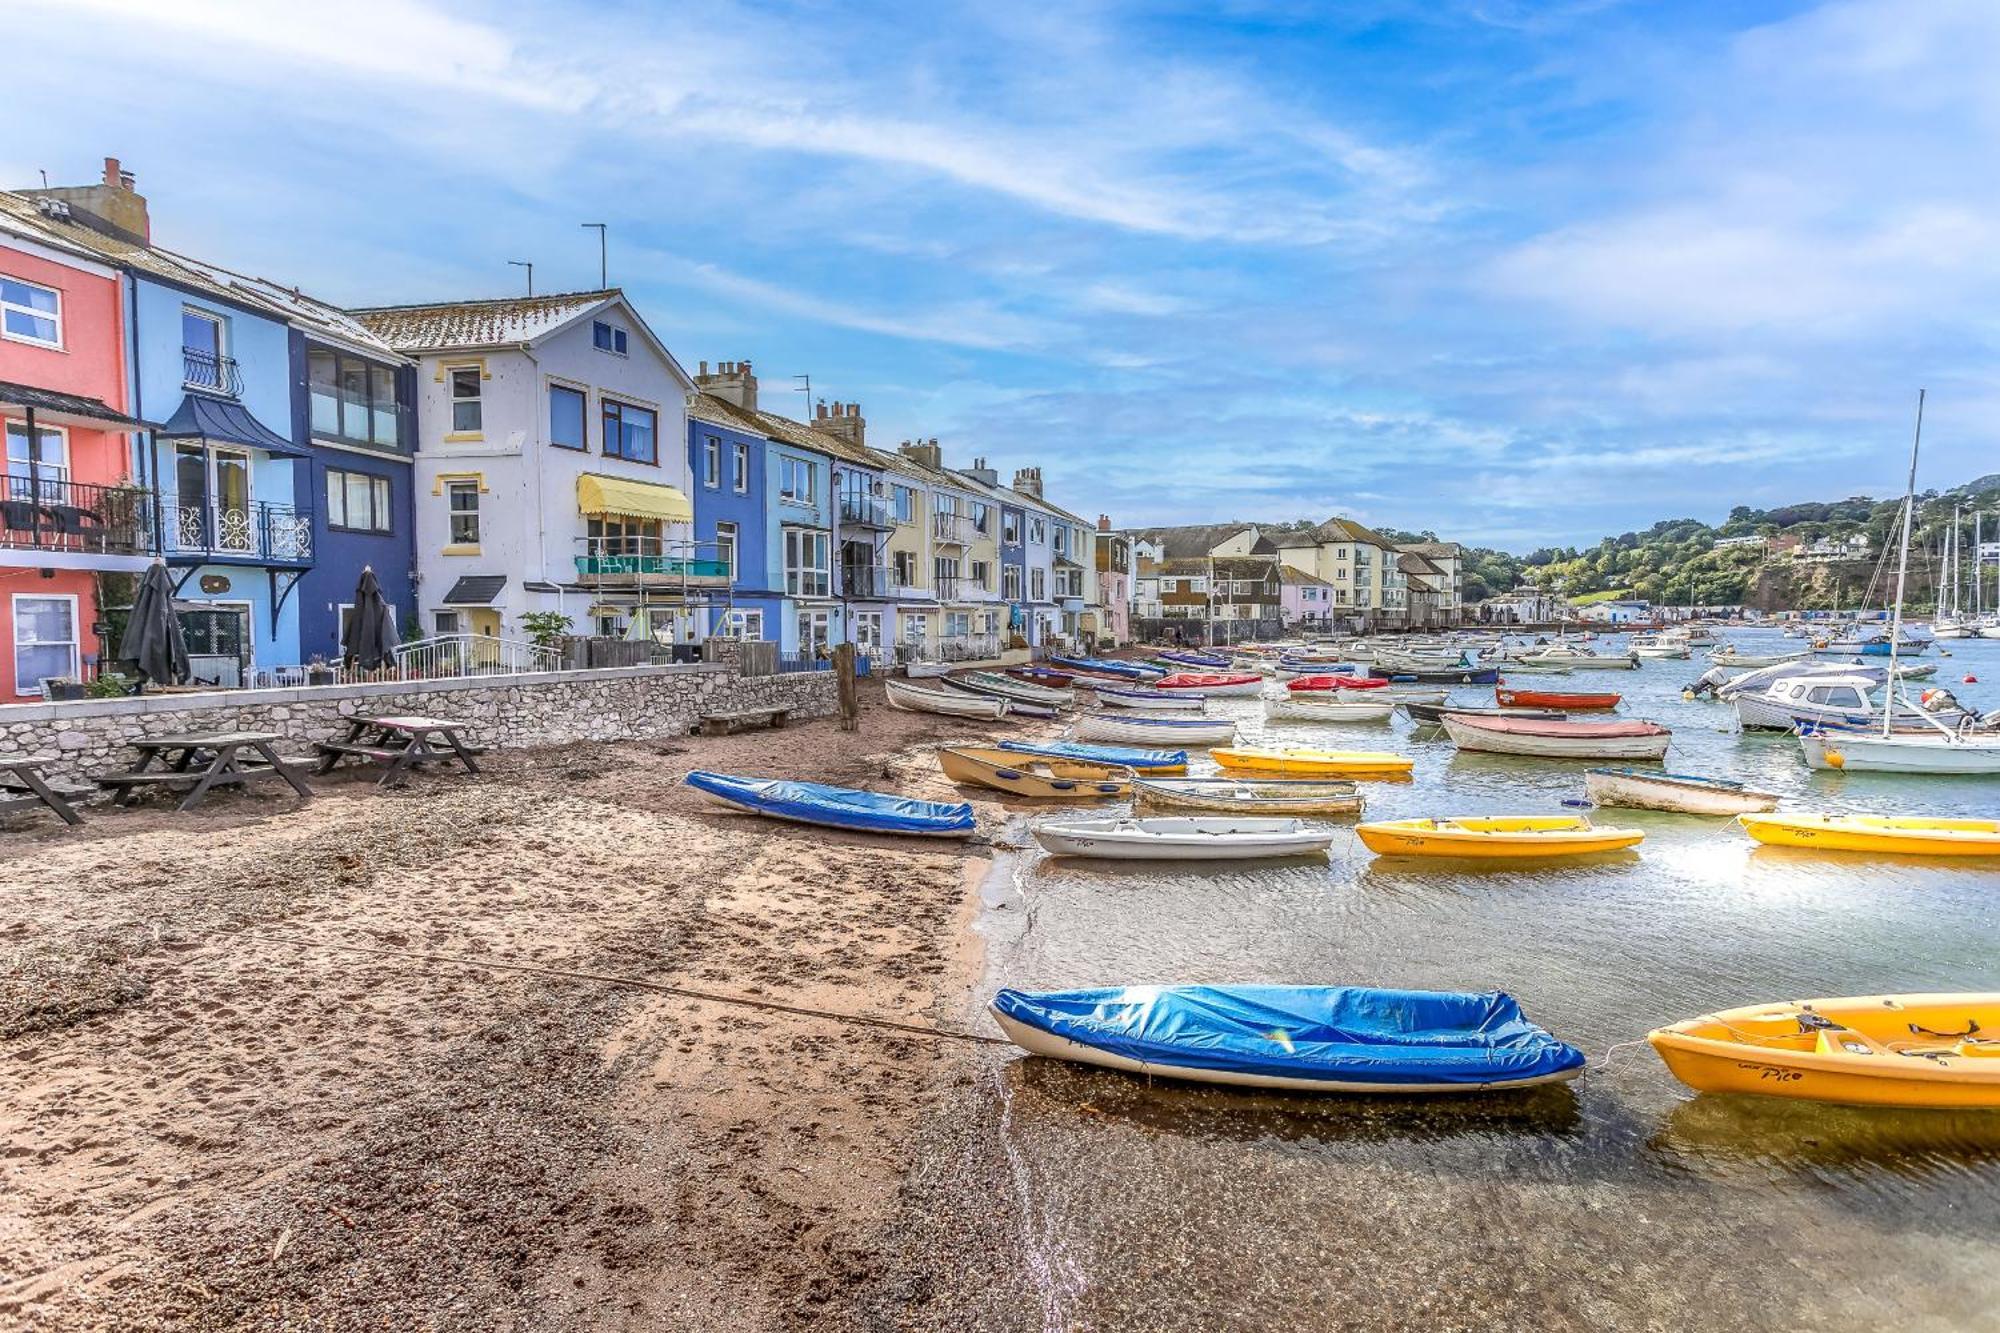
[1014,568]
[728,455]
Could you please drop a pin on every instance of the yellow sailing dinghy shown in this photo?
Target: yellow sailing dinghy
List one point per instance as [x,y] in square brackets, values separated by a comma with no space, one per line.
[1912,835]
[1878,1050]
[1495,836]
[1297,759]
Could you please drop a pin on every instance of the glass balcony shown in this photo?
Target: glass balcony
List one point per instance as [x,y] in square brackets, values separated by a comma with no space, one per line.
[649,560]
[951,529]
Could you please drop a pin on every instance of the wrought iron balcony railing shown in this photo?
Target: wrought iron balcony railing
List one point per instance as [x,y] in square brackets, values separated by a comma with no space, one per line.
[206,370]
[43,514]
[256,532]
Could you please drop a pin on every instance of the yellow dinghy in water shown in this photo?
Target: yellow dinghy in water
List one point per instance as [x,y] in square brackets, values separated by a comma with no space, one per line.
[1289,759]
[1911,835]
[1879,1050]
[1495,836]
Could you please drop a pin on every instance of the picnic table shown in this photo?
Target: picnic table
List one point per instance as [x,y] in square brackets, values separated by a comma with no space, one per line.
[22,785]
[202,762]
[400,743]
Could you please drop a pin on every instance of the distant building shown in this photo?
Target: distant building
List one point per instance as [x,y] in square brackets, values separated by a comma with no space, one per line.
[1616,612]
[1753,540]
[1306,600]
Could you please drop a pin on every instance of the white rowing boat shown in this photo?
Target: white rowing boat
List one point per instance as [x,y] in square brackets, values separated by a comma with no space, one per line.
[1251,796]
[1304,708]
[950,703]
[1558,740]
[1183,838]
[1138,729]
[1113,696]
[1681,793]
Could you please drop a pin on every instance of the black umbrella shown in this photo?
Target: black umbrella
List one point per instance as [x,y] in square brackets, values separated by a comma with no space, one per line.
[153,639]
[371,632]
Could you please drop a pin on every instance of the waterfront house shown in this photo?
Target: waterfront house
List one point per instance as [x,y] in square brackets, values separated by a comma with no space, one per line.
[1354,559]
[1305,601]
[727,459]
[1114,582]
[1445,577]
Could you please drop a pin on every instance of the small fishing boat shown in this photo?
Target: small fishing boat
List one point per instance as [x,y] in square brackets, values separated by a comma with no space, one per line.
[1199,661]
[1581,659]
[1141,696]
[951,703]
[1139,761]
[1660,646]
[1395,694]
[1183,838]
[1250,796]
[1308,684]
[1106,667]
[1558,740]
[1906,835]
[1921,749]
[1566,700]
[1681,793]
[1001,686]
[1298,1038]
[1046,676]
[1142,729]
[1213,683]
[1033,774]
[1495,836]
[1313,708]
[1938,1051]
[1296,759]
[1432,714]
[836,807]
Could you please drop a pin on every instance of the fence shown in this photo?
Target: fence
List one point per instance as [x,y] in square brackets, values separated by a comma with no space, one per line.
[863,665]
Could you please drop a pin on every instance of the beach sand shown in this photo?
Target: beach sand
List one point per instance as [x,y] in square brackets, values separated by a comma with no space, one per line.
[254,1075]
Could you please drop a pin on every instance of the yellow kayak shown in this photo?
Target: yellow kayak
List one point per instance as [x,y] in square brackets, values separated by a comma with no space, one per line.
[1290,759]
[1878,1050]
[1495,836]
[1915,835]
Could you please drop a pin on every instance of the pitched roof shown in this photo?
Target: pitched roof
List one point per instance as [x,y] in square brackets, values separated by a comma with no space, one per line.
[1434,549]
[1415,562]
[444,324]
[1286,574]
[787,431]
[1190,541]
[1347,530]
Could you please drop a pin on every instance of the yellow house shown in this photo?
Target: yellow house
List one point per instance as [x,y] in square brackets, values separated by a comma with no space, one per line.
[1355,561]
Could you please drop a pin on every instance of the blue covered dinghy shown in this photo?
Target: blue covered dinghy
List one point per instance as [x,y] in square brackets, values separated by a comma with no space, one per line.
[836,807]
[1138,760]
[1305,1038]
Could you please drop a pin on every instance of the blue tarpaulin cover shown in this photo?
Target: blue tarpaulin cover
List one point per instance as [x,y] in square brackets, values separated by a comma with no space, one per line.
[1139,761]
[841,807]
[1113,668]
[1344,1034]
[1195,659]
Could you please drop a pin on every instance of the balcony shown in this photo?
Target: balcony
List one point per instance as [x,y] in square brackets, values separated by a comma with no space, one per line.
[649,561]
[257,533]
[948,586]
[951,529]
[211,373]
[867,581]
[75,517]
[866,511]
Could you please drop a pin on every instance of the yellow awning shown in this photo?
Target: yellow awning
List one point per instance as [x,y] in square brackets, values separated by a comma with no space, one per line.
[598,495]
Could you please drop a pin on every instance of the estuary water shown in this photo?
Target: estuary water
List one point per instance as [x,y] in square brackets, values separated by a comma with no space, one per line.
[1622,1200]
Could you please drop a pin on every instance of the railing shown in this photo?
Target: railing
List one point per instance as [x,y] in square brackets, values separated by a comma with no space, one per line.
[52,515]
[953,529]
[870,511]
[867,580]
[950,648]
[947,585]
[277,534]
[205,370]
[863,662]
[450,655]
[647,557]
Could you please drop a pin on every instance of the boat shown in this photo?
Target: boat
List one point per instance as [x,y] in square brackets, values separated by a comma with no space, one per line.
[1913,750]
[836,807]
[1015,707]
[1660,646]
[1309,708]
[1001,686]
[1558,740]
[1139,761]
[1033,774]
[1298,759]
[1928,1051]
[1681,793]
[1496,836]
[1296,1038]
[1183,838]
[1395,694]
[1142,696]
[1432,714]
[1733,657]
[1568,701]
[951,703]
[1520,667]
[1143,728]
[1250,796]
[1212,683]
[1309,684]
[1907,835]
[1045,676]
[1581,659]
[1199,661]
[1106,667]
[1835,700]
[1468,675]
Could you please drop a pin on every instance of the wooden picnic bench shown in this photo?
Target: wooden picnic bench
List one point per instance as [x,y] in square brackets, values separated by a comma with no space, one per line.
[22,786]
[201,763]
[399,744]
[725,724]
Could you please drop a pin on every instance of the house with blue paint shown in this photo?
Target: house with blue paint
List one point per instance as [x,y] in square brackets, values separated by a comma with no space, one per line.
[728,461]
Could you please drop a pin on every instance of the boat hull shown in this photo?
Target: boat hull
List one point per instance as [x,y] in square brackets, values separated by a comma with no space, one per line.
[947,703]
[1466,734]
[1250,796]
[1139,761]
[834,807]
[1673,793]
[1300,709]
[1522,838]
[1154,731]
[1313,761]
[1563,700]
[1852,752]
[1184,839]
[1892,836]
[1184,701]
[1033,775]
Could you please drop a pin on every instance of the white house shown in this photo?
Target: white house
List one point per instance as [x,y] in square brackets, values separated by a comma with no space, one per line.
[1616,613]
[552,466]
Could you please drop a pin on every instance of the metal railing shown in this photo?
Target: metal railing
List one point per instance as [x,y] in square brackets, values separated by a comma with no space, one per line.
[648,557]
[867,580]
[868,511]
[451,655]
[278,534]
[950,648]
[953,529]
[44,514]
[947,585]
[206,370]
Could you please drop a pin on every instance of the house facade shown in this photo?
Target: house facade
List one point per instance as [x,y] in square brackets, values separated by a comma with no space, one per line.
[1113,558]
[1305,600]
[728,455]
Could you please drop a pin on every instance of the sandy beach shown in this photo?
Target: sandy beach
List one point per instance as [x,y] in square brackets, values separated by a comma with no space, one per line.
[263,1067]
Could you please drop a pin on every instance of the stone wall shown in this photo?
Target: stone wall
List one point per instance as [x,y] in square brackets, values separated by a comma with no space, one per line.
[89,736]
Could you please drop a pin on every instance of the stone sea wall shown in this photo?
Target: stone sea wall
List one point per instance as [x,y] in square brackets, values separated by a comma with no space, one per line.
[88,737]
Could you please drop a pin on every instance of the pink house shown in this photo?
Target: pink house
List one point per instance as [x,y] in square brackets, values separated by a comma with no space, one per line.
[1304,599]
[1114,582]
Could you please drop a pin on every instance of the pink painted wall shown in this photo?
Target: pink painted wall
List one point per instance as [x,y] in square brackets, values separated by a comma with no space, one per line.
[90,362]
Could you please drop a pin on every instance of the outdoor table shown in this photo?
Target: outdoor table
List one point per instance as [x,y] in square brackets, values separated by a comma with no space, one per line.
[22,785]
[201,762]
[401,743]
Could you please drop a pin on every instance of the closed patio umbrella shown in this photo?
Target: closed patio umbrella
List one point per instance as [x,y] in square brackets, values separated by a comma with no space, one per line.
[371,631]
[153,640]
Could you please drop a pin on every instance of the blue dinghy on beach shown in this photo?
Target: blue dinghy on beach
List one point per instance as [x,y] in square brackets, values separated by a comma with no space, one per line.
[1303,1038]
[1139,761]
[1130,670]
[836,807]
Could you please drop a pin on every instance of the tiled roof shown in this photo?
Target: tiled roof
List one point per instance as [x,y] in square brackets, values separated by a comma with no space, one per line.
[1347,530]
[721,412]
[1184,542]
[514,319]
[1287,574]
[788,431]
[1434,549]
[1415,562]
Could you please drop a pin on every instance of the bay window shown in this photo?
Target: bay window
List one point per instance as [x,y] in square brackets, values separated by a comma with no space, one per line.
[806,563]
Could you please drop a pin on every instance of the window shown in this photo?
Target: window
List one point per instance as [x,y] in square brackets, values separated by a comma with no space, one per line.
[30,313]
[982,518]
[357,502]
[566,417]
[868,632]
[447,622]
[796,479]
[805,563]
[740,469]
[1010,582]
[725,545]
[945,570]
[465,410]
[906,504]
[1037,585]
[711,462]
[905,565]
[1010,528]
[815,629]
[44,640]
[353,400]
[1038,531]
[739,624]
[606,338]
[915,630]
[48,460]
[625,536]
[628,432]
[982,576]
[463,499]
[202,352]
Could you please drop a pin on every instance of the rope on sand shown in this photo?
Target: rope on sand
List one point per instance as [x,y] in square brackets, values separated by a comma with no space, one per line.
[862,1020]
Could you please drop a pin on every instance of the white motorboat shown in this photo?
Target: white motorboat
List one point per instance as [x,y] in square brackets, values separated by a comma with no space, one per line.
[1557,740]
[1840,700]
[1909,750]
[1302,707]
[1141,729]
[1681,793]
[1183,838]
[1115,696]
[1578,659]
[1660,646]
[1731,657]
[951,703]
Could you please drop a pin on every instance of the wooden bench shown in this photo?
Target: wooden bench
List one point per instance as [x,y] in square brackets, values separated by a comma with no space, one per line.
[22,787]
[202,763]
[400,744]
[727,724]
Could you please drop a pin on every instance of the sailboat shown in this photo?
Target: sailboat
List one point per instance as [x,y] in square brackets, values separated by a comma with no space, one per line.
[1948,623]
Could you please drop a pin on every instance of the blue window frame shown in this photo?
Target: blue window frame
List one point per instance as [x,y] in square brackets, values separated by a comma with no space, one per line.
[629,433]
[566,430]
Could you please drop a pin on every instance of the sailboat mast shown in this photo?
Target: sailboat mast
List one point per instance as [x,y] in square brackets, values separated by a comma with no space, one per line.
[1902,572]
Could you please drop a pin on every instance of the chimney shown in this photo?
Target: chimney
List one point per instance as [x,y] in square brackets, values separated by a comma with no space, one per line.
[843,421]
[111,206]
[1104,522]
[923,452]
[982,474]
[732,382]
[1028,481]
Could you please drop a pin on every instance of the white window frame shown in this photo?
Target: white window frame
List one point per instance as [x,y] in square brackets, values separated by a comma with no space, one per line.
[451,514]
[13,425]
[1038,585]
[441,617]
[727,536]
[739,622]
[868,631]
[221,340]
[478,400]
[1038,531]
[32,313]
[1010,529]
[740,469]
[711,462]
[804,576]
[790,469]
[1015,594]
[75,637]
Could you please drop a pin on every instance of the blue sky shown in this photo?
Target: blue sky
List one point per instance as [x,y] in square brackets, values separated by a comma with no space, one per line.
[1518,272]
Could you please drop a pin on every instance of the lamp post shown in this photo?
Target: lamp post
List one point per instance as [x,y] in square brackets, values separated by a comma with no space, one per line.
[603,253]
[522,263]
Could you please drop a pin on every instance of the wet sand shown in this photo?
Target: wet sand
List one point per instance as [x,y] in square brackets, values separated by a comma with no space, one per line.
[219,1112]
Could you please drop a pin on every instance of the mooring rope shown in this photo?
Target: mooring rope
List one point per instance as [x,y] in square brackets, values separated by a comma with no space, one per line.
[682,992]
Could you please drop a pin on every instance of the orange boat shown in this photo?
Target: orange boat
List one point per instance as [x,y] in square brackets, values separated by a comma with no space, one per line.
[1570,703]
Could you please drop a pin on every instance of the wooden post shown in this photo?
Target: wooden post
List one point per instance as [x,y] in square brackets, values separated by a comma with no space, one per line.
[850,698]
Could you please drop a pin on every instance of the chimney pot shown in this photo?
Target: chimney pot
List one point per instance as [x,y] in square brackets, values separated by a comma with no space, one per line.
[111,172]
[704,368]
[1104,522]
[746,367]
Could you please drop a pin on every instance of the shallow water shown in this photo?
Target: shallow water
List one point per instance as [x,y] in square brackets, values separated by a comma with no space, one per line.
[1621,1200]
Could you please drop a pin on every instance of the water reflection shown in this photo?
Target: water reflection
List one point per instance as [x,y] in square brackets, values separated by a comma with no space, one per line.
[1725,1137]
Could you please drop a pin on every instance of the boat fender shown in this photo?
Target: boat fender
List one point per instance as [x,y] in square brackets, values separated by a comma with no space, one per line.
[1011,775]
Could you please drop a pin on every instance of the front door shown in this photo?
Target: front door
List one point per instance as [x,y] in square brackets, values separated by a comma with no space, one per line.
[218,642]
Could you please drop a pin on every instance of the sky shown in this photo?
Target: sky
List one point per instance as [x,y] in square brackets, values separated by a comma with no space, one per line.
[1519,273]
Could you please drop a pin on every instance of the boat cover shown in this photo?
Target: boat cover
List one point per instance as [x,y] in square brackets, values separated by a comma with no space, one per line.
[1136,760]
[1195,680]
[1350,1034]
[1528,727]
[813,802]
[1194,659]
[1336,682]
[1126,669]
[1163,723]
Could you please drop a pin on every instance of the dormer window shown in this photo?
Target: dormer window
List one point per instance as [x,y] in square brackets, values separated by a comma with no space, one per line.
[607,338]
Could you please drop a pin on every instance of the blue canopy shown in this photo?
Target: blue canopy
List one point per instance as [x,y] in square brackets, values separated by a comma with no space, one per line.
[1342,1034]
[1139,761]
[837,807]
[225,421]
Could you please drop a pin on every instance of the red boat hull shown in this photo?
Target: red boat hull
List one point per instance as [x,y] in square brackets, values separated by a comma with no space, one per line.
[1572,703]
[1204,680]
[1338,683]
